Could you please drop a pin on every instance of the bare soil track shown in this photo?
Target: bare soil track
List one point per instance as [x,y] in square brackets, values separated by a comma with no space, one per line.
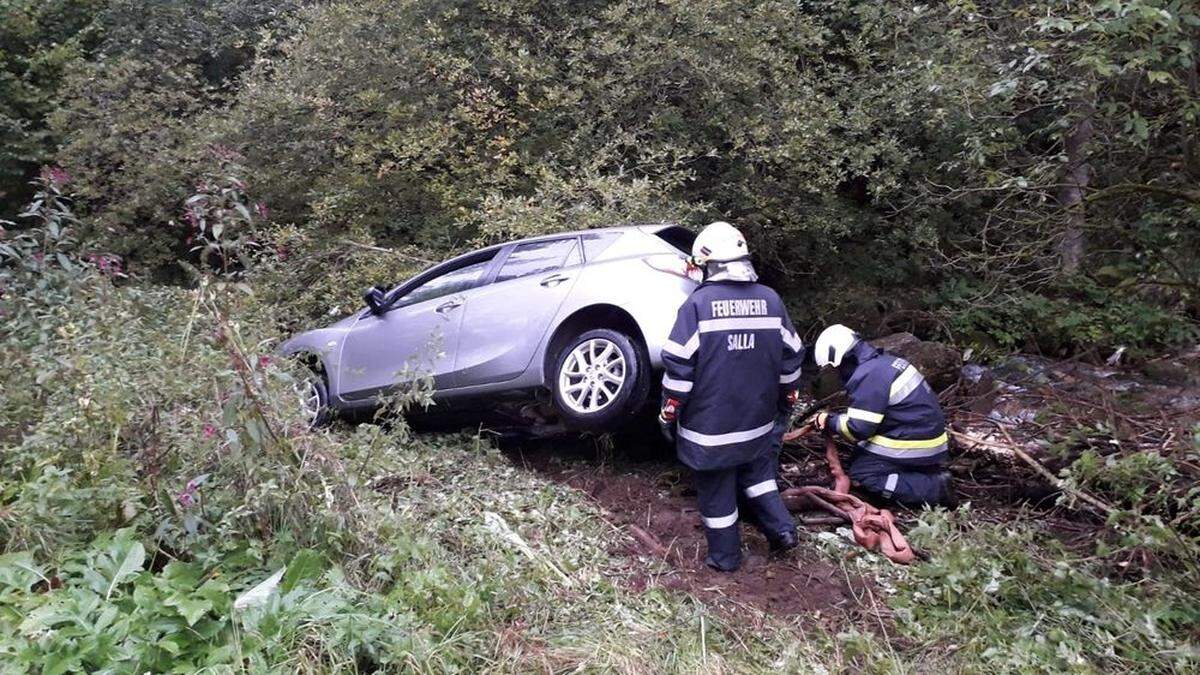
[652,499]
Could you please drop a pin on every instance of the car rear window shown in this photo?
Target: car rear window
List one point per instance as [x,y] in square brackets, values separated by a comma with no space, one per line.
[679,237]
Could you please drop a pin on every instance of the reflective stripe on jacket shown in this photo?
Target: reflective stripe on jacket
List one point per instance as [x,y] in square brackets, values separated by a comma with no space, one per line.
[893,411]
[732,356]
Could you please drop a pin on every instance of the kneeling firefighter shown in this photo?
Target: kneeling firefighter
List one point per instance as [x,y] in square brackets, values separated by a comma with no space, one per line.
[732,366]
[894,418]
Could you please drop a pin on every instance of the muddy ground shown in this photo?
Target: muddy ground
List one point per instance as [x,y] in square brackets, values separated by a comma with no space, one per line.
[1033,403]
[637,484]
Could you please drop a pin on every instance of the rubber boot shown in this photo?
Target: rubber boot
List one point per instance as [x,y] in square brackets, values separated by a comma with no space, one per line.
[727,567]
[947,496]
[783,542]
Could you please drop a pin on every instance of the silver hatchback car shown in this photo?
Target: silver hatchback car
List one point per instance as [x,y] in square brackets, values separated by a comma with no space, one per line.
[580,316]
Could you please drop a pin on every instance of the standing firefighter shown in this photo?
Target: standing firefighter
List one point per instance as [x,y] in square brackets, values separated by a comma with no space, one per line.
[732,364]
[894,418]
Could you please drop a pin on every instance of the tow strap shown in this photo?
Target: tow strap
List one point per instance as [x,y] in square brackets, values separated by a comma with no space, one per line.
[874,528]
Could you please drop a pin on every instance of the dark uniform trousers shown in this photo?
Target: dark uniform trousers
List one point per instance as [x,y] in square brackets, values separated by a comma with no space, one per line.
[904,481]
[754,485]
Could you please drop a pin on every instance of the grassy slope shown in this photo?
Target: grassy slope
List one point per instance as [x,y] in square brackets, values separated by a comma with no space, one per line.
[430,553]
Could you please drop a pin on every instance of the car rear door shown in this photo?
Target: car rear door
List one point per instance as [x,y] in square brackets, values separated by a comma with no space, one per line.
[416,337]
[506,320]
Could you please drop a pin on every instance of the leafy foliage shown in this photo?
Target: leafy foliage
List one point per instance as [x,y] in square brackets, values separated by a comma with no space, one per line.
[882,148]
[1080,316]
[1020,602]
[39,41]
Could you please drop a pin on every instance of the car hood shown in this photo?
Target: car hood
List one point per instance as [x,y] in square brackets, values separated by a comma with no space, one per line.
[319,340]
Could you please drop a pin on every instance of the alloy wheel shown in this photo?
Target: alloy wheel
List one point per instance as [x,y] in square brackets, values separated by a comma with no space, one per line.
[592,375]
[309,393]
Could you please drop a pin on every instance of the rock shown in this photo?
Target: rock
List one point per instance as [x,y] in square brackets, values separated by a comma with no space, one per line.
[1022,370]
[939,363]
[826,383]
[979,387]
[1174,372]
[975,373]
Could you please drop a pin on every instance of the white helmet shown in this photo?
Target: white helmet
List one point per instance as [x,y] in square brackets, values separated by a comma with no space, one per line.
[832,344]
[719,242]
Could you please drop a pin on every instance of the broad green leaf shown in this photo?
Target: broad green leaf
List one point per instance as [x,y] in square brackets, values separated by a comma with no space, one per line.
[307,564]
[191,607]
[56,664]
[18,571]
[132,562]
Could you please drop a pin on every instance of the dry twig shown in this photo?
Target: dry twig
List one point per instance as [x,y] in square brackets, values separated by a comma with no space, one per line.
[1034,464]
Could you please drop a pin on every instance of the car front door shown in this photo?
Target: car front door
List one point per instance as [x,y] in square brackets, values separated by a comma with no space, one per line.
[415,337]
[506,320]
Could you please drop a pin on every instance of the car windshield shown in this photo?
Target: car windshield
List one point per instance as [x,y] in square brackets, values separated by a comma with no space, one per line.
[451,281]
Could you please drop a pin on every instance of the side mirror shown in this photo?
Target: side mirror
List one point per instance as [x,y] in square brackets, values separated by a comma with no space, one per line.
[374,297]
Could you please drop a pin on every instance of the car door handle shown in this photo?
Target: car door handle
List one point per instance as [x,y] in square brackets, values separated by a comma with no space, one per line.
[447,306]
[554,280]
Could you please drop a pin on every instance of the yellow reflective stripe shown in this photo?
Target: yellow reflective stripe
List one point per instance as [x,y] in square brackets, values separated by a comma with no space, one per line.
[844,427]
[864,415]
[907,444]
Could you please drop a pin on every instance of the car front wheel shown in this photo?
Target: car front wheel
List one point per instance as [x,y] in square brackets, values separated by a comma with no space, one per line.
[601,380]
[314,399]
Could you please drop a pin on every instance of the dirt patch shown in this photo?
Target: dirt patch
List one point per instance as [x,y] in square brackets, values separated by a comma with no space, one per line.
[1054,410]
[656,496]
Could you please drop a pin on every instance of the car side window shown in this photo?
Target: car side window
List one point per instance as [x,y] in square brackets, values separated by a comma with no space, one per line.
[538,257]
[594,243]
[453,281]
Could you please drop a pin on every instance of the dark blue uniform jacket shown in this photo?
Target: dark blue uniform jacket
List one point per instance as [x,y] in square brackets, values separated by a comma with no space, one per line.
[732,357]
[893,411]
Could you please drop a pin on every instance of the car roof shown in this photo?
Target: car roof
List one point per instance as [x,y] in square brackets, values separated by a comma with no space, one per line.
[648,228]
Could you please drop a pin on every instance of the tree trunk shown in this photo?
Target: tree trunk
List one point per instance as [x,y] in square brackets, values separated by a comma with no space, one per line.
[1191,159]
[1071,247]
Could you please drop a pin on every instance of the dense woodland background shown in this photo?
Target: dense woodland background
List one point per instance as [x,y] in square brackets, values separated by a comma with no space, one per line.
[1018,174]
[183,182]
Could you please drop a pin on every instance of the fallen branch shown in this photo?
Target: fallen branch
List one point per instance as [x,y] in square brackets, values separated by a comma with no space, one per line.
[1037,466]
[815,407]
[823,521]
[1143,188]
[649,541]
[389,251]
[798,499]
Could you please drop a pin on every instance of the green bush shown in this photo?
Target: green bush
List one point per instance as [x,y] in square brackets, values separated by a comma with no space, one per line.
[1067,318]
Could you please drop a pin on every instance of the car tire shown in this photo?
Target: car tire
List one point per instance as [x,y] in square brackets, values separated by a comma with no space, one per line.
[314,399]
[600,380]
